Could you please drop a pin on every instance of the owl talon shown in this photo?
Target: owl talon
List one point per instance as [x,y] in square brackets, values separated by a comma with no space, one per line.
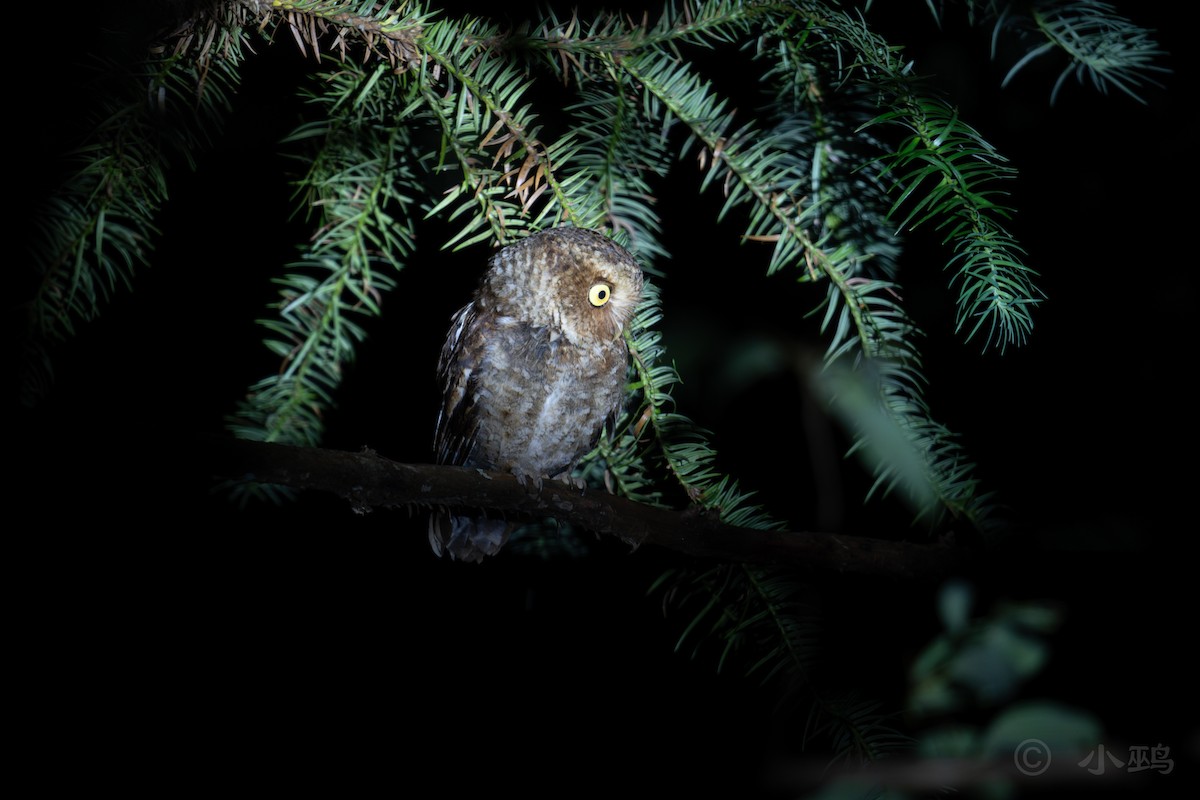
[530,483]
[571,480]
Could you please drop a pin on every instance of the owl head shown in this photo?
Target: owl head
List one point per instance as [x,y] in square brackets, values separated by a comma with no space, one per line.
[575,281]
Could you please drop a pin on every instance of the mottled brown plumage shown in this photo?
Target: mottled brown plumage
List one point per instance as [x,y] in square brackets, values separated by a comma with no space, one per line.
[532,368]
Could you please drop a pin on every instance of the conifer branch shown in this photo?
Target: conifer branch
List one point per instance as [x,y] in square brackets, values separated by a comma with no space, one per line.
[339,26]
[1099,44]
[97,230]
[684,449]
[618,152]
[100,225]
[505,168]
[357,186]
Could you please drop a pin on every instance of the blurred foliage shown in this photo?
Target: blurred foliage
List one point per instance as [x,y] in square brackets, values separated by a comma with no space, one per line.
[976,732]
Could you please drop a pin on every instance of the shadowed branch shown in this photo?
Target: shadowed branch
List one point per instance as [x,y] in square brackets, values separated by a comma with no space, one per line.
[367,480]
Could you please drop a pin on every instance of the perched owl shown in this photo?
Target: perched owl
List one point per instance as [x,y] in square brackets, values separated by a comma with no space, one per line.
[532,369]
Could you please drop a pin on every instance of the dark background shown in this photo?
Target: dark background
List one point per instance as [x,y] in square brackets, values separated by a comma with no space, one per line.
[153,617]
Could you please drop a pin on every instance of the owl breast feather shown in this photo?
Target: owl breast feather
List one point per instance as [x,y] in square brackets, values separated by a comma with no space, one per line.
[540,402]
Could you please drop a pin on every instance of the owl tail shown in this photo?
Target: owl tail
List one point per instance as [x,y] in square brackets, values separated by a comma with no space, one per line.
[466,538]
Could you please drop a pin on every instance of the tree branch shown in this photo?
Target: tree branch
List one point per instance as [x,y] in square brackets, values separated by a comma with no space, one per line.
[368,480]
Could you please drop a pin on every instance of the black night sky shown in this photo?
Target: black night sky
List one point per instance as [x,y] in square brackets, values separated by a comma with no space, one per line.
[158,630]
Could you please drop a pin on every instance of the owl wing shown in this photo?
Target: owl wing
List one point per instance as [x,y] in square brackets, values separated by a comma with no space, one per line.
[454,436]
[617,407]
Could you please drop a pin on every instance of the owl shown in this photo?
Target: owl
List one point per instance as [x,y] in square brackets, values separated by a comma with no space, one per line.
[532,369]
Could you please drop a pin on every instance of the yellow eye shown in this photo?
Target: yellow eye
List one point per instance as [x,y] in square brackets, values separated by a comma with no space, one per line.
[599,294]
